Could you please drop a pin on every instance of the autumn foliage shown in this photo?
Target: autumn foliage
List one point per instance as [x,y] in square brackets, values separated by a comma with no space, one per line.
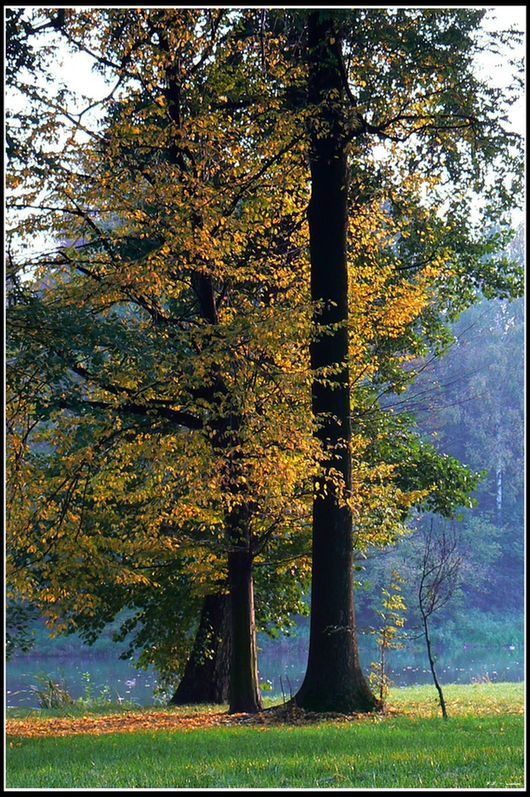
[161,438]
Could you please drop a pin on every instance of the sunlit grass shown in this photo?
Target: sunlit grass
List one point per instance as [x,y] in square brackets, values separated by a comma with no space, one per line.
[462,699]
[480,746]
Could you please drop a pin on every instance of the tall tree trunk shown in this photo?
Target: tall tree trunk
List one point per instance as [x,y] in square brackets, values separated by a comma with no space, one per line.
[244,692]
[206,677]
[498,469]
[334,680]
[244,685]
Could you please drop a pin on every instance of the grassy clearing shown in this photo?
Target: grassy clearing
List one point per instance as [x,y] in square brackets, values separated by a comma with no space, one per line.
[480,699]
[481,746]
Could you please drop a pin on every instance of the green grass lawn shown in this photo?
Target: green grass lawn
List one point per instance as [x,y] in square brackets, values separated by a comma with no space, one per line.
[480,746]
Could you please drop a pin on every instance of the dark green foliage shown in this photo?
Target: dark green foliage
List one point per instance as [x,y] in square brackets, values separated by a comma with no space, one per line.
[19,620]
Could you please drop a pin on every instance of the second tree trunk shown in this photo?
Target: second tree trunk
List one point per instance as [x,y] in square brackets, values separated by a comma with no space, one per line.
[334,680]
[206,678]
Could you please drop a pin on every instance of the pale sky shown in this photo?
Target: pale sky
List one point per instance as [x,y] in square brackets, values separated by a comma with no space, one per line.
[506,17]
[74,69]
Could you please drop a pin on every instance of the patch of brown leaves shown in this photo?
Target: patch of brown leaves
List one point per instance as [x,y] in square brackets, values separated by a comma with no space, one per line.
[177,720]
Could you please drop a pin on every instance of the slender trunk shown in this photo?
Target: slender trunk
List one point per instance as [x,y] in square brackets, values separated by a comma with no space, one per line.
[498,471]
[382,674]
[433,669]
[244,686]
[334,680]
[244,693]
[499,496]
[206,677]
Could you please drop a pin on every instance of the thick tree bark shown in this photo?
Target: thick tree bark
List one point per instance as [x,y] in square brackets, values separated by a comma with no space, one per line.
[206,677]
[244,685]
[244,692]
[228,621]
[334,680]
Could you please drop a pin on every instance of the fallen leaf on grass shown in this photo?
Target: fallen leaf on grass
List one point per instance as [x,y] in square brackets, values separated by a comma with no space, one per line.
[178,720]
